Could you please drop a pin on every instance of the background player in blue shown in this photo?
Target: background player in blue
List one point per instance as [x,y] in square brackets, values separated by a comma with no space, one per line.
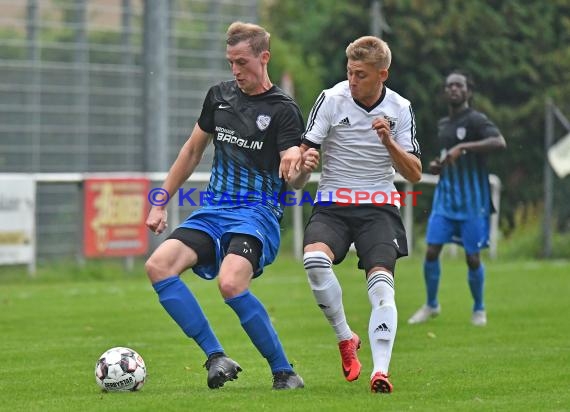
[462,200]
[256,130]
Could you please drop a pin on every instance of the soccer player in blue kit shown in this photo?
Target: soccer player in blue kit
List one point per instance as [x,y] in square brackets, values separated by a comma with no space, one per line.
[462,199]
[256,130]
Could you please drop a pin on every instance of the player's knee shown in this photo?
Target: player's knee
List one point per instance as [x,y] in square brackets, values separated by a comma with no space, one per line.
[317,265]
[432,252]
[473,261]
[229,287]
[381,291]
[155,269]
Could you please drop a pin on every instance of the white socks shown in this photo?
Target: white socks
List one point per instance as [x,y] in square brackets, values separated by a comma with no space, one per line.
[383,319]
[327,291]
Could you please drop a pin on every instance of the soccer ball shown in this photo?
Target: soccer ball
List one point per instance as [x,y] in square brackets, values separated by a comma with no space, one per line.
[120,369]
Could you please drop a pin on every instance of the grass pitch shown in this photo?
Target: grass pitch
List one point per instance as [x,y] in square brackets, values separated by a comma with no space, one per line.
[54,327]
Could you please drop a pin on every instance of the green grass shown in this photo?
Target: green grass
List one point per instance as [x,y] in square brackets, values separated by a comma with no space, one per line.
[54,327]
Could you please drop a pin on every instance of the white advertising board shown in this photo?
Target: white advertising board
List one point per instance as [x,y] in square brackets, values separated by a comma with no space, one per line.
[559,156]
[17,219]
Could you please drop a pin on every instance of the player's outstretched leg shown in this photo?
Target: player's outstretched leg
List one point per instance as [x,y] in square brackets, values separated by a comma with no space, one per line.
[221,369]
[382,328]
[328,295]
[256,323]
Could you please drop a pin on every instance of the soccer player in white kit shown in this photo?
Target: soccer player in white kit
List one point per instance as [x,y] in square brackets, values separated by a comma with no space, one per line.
[366,132]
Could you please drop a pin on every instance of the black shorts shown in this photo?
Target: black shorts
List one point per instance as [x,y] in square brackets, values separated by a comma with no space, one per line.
[377,232]
[203,245]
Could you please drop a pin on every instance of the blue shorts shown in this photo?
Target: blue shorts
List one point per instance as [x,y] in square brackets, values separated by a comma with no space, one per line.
[472,234]
[222,222]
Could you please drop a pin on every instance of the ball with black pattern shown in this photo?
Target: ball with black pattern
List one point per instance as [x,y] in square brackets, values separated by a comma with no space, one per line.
[120,369]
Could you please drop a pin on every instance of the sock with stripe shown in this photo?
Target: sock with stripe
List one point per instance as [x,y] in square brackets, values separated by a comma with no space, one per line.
[383,319]
[327,292]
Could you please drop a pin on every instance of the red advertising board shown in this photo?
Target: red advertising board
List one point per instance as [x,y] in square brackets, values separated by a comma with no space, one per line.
[115,212]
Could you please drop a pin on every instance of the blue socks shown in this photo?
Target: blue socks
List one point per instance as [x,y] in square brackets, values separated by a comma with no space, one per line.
[476,283]
[432,273]
[476,278]
[182,306]
[255,321]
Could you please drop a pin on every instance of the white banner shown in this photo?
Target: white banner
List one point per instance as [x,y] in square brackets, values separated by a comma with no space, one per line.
[17,219]
[559,156]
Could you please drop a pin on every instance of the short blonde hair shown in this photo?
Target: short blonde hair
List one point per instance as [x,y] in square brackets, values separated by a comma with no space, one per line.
[370,49]
[257,36]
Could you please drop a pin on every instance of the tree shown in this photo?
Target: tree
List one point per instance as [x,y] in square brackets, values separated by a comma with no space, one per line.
[517,51]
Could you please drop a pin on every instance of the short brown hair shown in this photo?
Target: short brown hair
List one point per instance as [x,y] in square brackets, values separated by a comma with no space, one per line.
[257,36]
[370,49]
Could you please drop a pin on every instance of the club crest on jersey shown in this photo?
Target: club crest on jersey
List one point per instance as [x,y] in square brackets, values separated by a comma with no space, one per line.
[461,132]
[392,122]
[262,122]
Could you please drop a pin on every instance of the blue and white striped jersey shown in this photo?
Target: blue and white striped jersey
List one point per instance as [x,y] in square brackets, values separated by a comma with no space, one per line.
[248,134]
[463,190]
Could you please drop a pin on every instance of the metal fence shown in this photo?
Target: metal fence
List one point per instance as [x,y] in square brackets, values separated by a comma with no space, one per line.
[60,212]
[103,86]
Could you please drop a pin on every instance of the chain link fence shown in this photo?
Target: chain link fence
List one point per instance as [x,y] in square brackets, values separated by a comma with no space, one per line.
[101,86]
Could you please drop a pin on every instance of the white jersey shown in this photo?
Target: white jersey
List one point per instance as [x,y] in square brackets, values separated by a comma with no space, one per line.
[357,167]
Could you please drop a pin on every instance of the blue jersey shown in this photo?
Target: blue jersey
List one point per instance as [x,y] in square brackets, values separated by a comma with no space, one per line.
[249,132]
[463,190]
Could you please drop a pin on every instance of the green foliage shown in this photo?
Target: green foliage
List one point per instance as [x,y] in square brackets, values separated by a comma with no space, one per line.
[518,53]
[69,9]
[526,239]
[315,38]
[9,51]
[505,46]
[306,75]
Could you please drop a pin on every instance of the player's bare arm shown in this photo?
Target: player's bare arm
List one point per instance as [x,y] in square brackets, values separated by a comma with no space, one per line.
[434,167]
[290,162]
[188,158]
[298,170]
[407,164]
[488,145]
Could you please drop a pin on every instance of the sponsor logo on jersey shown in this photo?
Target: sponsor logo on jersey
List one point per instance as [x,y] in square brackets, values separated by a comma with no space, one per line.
[228,136]
[461,132]
[344,122]
[263,121]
